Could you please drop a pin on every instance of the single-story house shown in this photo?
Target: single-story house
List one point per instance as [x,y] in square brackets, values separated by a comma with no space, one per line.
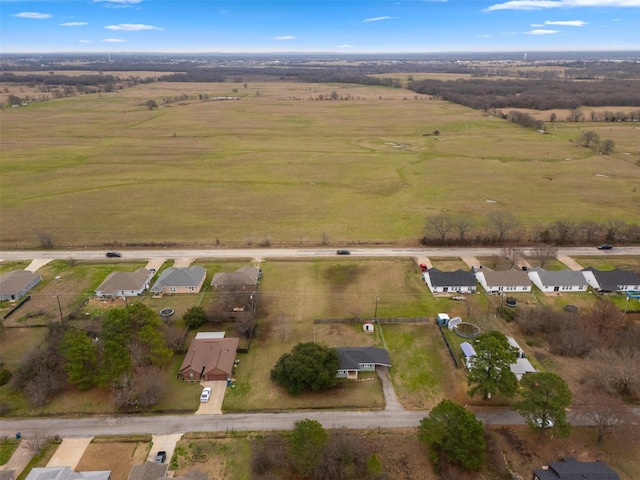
[7,474]
[494,281]
[209,359]
[125,284]
[360,359]
[460,281]
[16,283]
[571,469]
[66,473]
[180,280]
[468,352]
[612,280]
[558,281]
[243,278]
[148,471]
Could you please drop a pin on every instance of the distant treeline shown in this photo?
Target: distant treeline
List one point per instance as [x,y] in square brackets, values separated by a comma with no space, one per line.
[483,94]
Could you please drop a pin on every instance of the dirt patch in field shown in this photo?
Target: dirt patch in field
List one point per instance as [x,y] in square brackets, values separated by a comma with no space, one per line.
[117,456]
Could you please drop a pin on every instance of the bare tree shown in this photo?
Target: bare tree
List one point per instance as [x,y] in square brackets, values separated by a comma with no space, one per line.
[463,224]
[281,326]
[618,369]
[606,320]
[608,413]
[38,440]
[564,230]
[588,138]
[442,224]
[575,115]
[544,253]
[512,254]
[607,147]
[590,231]
[46,240]
[502,223]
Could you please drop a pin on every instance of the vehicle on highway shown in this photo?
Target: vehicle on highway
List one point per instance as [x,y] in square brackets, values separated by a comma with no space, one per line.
[343,252]
[604,247]
[161,457]
[206,393]
[114,254]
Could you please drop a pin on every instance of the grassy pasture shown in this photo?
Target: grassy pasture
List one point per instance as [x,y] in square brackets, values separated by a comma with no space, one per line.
[279,165]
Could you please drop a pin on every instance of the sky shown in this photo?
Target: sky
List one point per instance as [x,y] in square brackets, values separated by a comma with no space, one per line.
[318,26]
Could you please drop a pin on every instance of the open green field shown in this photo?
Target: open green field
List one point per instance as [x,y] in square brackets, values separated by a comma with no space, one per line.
[280,166]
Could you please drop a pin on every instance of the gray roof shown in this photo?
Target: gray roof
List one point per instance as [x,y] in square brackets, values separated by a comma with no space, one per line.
[119,281]
[148,471]
[179,277]
[553,278]
[14,282]
[352,357]
[505,278]
[572,469]
[612,280]
[66,473]
[459,278]
[7,474]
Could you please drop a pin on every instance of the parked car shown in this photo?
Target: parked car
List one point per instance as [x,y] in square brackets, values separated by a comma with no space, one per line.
[343,252]
[114,254]
[604,247]
[547,424]
[161,457]
[206,393]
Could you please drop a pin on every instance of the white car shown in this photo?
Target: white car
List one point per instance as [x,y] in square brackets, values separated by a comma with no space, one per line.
[547,424]
[206,393]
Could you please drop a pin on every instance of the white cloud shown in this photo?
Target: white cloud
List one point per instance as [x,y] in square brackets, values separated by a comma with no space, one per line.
[73,24]
[541,31]
[132,27]
[284,37]
[345,45]
[113,40]
[377,19]
[33,15]
[119,2]
[85,41]
[567,23]
[543,4]
[537,24]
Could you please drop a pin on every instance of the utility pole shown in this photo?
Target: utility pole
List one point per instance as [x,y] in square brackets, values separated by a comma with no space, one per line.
[60,308]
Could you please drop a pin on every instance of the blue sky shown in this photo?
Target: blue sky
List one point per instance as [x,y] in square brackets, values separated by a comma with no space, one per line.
[339,26]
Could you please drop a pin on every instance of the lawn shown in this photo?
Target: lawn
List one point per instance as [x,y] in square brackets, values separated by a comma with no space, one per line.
[7,447]
[279,167]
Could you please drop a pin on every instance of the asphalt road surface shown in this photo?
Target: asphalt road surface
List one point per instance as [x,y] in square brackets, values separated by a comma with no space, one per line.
[261,253]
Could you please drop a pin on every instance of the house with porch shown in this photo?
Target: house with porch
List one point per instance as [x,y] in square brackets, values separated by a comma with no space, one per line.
[125,284]
[460,281]
[571,469]
[16,283]
[354,360]
[612,280]
[180,280]
[503,281]
[558,281]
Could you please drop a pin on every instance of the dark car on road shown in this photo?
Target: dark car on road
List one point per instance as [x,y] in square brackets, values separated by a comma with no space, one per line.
[114,254]
[343,252]
[161,457]
[604,247]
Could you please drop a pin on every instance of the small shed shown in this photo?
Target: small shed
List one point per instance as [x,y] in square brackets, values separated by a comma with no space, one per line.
[468,352]
[367,326]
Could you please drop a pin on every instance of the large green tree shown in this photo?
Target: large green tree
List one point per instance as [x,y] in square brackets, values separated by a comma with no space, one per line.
[81,364]
[452,433]
[131,338]
[309,367]
[306,445]
[194,317]
[490,371]
[545,398]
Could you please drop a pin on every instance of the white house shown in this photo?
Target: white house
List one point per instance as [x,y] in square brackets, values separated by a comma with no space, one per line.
[459,281]
[125,284]
[558,281]
[511,281]
[612,280]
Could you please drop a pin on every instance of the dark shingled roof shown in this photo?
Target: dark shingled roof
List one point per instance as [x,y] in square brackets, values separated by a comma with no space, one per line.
[352,357]
[612,280]
[459,278]
[572,469]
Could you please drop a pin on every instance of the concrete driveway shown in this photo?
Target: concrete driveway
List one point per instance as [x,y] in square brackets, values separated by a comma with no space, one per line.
[164,442]
[69,452]
[36,263]
[214,405]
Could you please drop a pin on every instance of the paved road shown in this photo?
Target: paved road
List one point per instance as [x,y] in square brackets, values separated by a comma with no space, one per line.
[261,253]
